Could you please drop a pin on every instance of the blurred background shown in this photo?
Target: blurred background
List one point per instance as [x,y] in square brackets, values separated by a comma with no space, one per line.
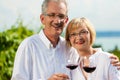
[20,19]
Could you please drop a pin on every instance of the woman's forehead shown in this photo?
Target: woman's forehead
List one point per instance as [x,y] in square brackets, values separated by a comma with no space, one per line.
[77,28]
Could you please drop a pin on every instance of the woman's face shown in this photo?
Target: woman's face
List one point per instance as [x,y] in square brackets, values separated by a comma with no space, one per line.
[80,38]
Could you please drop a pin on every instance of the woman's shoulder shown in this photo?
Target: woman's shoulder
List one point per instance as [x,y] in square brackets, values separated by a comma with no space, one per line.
[102,53]
[103,56]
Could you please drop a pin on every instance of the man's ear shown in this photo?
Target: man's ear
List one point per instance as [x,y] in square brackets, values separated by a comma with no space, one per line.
[42,18]
[66,20]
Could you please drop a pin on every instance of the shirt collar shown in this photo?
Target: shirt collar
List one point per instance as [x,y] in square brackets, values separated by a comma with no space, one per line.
[45,40]
[99,50]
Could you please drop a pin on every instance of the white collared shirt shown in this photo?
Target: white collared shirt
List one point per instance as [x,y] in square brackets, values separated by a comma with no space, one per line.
[37,59]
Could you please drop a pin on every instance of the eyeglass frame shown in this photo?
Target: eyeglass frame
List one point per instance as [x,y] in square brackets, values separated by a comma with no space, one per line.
[73,35]
[53,15]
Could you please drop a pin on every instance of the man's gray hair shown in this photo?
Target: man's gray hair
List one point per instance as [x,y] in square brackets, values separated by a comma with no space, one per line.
[45,4]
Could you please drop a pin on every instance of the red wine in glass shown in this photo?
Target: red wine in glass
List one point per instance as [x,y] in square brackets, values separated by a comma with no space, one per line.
[89,69]
[89,64]
[72,66]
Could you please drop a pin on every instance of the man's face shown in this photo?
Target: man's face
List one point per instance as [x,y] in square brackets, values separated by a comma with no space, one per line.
[55,18]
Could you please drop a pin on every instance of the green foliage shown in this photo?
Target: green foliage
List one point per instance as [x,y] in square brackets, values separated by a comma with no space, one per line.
[116,51]
[9,41]
[96,46]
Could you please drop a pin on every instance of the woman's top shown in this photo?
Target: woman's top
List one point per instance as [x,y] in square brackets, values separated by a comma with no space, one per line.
[104,69]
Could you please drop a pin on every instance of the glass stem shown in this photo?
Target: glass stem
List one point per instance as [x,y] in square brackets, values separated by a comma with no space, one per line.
[70,75]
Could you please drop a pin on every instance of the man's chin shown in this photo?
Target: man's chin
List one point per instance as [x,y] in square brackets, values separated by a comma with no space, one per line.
[59,30]
[58,33]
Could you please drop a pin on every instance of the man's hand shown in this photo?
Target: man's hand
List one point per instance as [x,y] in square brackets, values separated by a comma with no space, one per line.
[115,61]
[59,76]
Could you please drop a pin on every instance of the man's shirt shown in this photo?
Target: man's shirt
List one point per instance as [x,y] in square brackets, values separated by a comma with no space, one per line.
[37,59]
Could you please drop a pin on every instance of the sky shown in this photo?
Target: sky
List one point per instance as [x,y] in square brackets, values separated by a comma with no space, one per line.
[103,14]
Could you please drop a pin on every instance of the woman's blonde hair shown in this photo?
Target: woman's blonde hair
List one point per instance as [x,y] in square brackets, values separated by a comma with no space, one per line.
[80,22]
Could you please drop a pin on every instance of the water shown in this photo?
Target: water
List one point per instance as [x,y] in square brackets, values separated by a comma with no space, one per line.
[108,43]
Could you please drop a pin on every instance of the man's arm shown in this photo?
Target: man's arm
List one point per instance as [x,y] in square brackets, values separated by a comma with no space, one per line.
[22,63]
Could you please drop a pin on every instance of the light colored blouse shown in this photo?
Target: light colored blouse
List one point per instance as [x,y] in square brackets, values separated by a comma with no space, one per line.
[104,70]
[37,59]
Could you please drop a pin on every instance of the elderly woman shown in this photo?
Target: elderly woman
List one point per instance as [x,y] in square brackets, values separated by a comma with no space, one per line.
[80,34]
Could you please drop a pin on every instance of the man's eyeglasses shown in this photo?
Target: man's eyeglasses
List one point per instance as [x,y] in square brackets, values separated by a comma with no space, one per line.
[73,35]
[53,15]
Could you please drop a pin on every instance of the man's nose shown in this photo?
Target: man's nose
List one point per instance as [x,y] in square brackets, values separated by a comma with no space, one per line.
[60,24]
[57,19]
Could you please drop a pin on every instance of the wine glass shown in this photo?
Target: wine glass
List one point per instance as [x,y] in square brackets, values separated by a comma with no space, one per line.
[89,65]
[71,65]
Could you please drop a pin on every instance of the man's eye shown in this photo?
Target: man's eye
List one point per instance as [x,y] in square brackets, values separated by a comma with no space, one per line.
[61,16]
[51,15]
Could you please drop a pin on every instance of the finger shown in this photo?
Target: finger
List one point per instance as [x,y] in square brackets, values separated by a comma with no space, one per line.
[118,68]
[62,76]
[58,77]
[117,64]
[114,62]
[113,56]
[53,77]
